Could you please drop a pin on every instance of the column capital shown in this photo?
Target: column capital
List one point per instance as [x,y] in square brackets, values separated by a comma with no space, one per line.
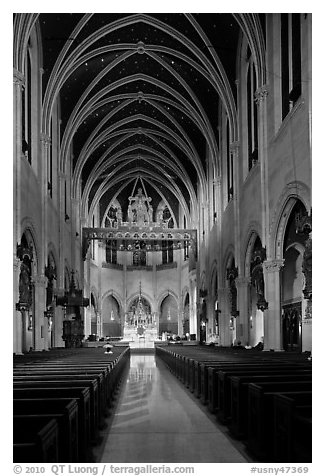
[242,281]
[261,94]
[273,266]
[19,79]
[39,280]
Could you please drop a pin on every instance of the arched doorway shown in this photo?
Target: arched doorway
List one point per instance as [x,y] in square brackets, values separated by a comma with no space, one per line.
[51,274]
[111,317]
[168,321]
[257,303]
[186,316]
[293,281]
[232,273]
[216,311]
[93,316]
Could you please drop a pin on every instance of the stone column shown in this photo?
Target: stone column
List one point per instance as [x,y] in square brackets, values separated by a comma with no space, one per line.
[210,300]
[40,322]
[242,284]
[224,316]
[62,254]
[261,101]
[98,322]
[17,153]
[272,315]
[194,325]
[18,84]
[58,317]
[234,150]
[17,323]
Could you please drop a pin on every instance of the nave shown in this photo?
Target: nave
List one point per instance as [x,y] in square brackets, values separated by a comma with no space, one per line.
[157,421]
[182,403]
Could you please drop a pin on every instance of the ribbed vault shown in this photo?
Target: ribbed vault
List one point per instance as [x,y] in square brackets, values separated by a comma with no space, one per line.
[140,95]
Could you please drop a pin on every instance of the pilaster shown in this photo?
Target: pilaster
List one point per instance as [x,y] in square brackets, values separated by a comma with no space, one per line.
[234,150]
[243,286]
[18,85]
[40,325]
[272,315]
[17,321]
[224,317]
[261,101]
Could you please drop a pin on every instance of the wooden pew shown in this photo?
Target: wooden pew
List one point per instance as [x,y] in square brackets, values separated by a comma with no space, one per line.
[217,380]
[239,395]
[261,414]
[271,372]
[58,383]
[82,396]
[35,439]
[65,411]
[293,427]
[67,373]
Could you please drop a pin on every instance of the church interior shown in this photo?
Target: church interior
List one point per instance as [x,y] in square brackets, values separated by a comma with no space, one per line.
[162,237]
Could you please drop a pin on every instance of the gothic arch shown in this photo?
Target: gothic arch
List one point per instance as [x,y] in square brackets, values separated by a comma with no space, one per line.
[213,277]
[51,250]
[135,296]
[293,192]
[163,295]
[115,295]
[93,291]
[29,231]
[185,292]
[229,256]
[252,235]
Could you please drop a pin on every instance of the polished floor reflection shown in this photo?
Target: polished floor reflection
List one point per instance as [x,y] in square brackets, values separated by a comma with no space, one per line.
[157,420]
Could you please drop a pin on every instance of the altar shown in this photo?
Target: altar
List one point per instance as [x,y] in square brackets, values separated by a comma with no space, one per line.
[140,326]
[143,336]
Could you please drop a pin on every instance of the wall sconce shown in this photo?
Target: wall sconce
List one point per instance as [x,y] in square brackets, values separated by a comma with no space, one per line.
[251,322]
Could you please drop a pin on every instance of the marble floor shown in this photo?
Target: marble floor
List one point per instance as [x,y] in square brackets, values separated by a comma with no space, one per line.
[156,420]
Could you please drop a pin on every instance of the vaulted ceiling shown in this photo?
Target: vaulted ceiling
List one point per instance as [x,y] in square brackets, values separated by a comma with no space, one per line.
[140,95]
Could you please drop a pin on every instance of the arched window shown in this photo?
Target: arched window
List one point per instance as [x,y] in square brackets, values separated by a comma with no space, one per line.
[27,111]
[111,217]
[50,163]
[252,133]
[290,60]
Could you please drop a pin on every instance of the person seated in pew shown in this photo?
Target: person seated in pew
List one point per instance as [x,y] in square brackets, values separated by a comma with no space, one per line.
[259,346]
[237,344]
[108,348]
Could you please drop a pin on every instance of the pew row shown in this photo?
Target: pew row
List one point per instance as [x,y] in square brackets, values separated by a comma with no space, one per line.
[222,380]
[86,380]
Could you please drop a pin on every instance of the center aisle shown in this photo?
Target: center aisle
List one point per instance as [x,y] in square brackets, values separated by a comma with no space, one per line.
[157,421]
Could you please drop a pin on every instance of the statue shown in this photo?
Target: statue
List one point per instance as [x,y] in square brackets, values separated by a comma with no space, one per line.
[139,209]
[25,295]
